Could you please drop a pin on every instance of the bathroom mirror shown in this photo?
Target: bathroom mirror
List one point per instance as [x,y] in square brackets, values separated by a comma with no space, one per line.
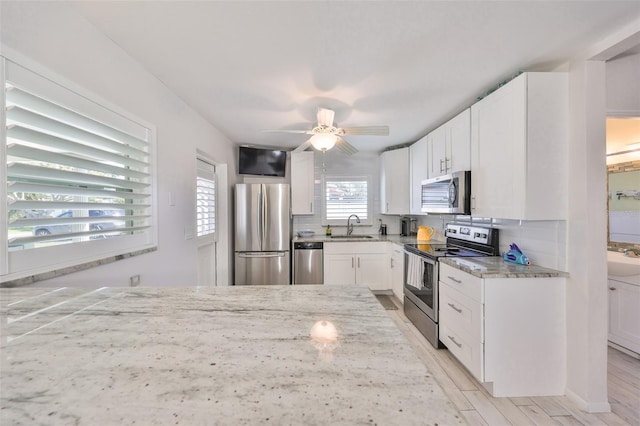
[623,166]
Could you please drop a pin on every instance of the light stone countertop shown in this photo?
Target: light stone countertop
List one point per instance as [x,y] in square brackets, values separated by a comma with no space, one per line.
[202,355]
[497,267]
[397,239]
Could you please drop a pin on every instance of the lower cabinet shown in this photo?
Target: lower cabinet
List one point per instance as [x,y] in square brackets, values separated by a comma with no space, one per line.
[348,263]
[510,333]
[624,314]
[397,271]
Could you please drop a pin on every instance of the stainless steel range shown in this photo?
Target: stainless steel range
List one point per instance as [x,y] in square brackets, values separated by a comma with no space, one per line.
[421,271]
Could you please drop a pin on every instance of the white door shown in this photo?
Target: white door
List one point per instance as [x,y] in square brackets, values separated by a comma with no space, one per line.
[206,190]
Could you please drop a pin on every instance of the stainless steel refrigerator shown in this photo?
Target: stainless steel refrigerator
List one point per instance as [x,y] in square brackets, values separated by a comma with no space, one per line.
[263,221]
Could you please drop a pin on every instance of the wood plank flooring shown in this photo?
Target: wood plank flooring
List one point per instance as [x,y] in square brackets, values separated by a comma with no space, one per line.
[478,407]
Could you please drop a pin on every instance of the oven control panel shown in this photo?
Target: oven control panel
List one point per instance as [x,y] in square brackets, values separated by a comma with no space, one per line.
[475,234]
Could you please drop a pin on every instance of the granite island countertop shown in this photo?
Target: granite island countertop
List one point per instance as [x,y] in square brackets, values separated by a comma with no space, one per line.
[497,267]
[202,355]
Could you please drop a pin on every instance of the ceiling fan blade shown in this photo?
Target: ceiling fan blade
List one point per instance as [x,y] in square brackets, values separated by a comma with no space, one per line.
[303,147]
[366,130]
[345,146]
[325,117]
[306,132]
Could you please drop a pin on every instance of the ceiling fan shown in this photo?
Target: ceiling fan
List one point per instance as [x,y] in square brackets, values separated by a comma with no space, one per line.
[325,135]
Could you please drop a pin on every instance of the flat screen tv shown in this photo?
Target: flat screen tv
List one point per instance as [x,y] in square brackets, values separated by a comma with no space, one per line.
[262,162]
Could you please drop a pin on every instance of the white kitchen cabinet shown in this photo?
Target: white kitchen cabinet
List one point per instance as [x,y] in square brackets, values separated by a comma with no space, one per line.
[449,146]
[302,183]
[510,333]
[419,171]
[624,314]
[394,181]
[397,271]
[519,139]
[350,263]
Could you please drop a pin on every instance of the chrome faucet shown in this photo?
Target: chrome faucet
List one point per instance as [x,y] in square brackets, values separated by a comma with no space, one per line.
[349,225]
[632,252]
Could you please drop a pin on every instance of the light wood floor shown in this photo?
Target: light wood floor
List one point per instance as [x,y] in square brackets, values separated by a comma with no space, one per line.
[480,408]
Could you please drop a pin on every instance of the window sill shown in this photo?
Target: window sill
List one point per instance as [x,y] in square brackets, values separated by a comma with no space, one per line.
[75,268]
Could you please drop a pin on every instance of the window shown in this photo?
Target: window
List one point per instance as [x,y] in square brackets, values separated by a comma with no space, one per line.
[206,199]
[76,173]
[345,196]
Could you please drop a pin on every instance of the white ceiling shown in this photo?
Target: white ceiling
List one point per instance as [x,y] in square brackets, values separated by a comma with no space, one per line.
[251,66]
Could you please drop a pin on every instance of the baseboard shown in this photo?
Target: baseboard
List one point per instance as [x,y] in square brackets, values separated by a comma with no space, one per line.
[624,350]
[589,407]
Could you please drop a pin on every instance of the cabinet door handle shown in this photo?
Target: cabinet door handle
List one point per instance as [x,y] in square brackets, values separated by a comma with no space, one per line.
[454,308]
[446,165]
[311,207]
[387,211]
[612,288]
[358,262]
[392,263]
[454,341]
[454,280]
[352,263]
[441,166]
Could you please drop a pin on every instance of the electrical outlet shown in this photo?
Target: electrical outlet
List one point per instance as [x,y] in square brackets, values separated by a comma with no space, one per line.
[134,280]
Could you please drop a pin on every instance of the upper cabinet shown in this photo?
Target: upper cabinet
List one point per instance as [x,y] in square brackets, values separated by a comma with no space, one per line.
[419,171]
[449,146]
[302,183]
[394,181]
[519,138]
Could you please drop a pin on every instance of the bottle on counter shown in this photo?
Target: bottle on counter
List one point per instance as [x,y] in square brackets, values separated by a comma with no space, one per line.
[328,231]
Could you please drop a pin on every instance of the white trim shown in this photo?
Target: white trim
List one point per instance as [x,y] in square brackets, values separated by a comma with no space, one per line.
[624,350]
[593,407]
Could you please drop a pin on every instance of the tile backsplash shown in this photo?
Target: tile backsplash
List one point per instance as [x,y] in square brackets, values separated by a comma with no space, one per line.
[543,242]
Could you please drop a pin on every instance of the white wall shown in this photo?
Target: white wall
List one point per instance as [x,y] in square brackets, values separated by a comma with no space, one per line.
[623,85]
[54,36]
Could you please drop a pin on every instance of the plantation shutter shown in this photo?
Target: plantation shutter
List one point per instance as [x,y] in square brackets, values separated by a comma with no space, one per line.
[206,199]
[345,196]
[73,174]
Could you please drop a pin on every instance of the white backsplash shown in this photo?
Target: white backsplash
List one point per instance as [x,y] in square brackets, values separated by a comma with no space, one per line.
[543,242]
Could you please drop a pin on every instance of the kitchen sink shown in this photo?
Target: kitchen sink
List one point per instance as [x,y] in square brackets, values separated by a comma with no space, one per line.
[352,237]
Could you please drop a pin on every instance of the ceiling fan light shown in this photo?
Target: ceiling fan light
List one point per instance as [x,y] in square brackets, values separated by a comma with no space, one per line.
[323,141]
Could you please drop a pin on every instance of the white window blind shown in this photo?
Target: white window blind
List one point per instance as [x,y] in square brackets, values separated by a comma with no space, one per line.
[206,199]
[345,196]
[76,171]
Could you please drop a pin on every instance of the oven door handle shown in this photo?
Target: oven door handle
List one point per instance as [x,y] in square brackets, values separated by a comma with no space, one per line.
[422,258]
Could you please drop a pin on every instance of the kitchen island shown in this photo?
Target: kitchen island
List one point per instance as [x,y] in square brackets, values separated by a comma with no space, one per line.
[202,355]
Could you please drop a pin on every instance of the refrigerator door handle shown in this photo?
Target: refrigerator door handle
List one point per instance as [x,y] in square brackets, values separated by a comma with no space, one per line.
[263,216]
[260,213]
[261,254]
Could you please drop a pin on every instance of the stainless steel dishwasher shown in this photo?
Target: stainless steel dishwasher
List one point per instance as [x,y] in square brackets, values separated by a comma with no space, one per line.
[307,263]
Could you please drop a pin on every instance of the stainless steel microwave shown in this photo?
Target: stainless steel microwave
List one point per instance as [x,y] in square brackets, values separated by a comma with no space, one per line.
[447,194]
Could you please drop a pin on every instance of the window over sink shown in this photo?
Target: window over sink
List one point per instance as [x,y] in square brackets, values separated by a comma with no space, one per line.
[344,196]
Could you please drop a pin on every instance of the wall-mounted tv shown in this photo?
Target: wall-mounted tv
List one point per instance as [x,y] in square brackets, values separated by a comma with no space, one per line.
[262,162]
